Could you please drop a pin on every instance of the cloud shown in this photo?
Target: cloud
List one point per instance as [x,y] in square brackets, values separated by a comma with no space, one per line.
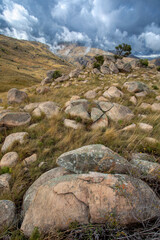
[96,23]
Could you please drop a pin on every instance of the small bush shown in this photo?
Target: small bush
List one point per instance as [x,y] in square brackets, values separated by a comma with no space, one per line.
[144,62]
[56,74]
[100,59]
[5,170]
[97,65]
[35,234]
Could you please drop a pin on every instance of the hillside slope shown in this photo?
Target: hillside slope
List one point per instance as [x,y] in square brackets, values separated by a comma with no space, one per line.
[24,63]
[79,55]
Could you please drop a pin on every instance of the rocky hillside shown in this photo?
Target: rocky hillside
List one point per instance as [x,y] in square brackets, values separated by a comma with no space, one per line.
[80,154]
[79,55]
[24,63]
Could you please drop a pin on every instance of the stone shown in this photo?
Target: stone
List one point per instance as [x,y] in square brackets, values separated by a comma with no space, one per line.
[63,78]
[83,102]
[101,123]
[94,157]
[155,107]
[105,106]
[19,137]
[42,90]
[9,160]
[34,125]
[90,94]
[46,81]
[158,98]
[90,198]
[78,111]
[96,71]
[45,177]
[145,106]
[50,109]
[133,100]
[16,96]
[145,127]
[123,67]
[7,213]
[72,124]
[30,107]
[136,87]
[151,140]
[14,119]
[96,114]
[150,170]
[29,160]
[143,157]
[105,69]
[102,99]
[74,73]
[4,183]
[141,94]
[120,112]
[113,92]
[113,68]
[129,128]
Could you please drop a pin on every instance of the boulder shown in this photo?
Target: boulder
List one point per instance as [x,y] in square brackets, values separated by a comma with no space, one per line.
[42,90]
[4,183]
[113,68]
[145,106]
[96,114]
[94,157]
[29,160]
[105,69]
[16,96]
[100,123]
[113,92]
[47,176]
[90,198]
[14,119]
[119,112]
[133,100]
[145,127]
[63,78]
[90,94]
[150,170]
[9,159]
[105,106]
[155,107]
[129,128]
[30,107]
[72,124]
[136,87]
[19,137]
[74,73]
[143,156]
[123,67]
[78,111]
[7,213]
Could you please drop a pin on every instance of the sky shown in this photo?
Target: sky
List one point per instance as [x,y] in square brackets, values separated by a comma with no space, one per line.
[95,23]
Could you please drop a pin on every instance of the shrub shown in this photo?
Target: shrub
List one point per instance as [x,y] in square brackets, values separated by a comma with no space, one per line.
[123,50]
[144,62]
[100,59]
[56,74]
[97,65]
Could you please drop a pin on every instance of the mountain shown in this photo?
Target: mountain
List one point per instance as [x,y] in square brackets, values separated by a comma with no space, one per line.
[24,63]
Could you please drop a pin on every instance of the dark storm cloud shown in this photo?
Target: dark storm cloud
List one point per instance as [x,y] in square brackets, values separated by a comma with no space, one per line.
[98,23]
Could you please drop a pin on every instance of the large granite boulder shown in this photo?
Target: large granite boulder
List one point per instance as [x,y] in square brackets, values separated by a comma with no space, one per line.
[47,176]
[14,119]
[90,198]
[16,96]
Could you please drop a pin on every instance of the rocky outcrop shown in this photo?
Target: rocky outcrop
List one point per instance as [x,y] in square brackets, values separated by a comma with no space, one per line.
[16,96]
[89,198]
